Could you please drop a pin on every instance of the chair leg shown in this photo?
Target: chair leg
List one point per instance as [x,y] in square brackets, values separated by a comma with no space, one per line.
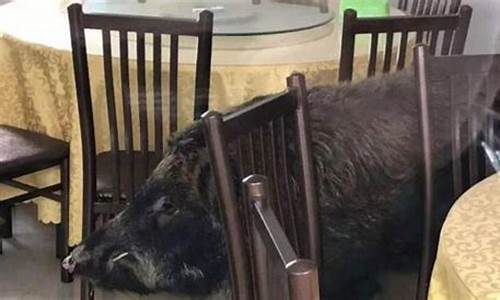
[1,242]
[86,290]
[60,240]
[6,216]
[62,229]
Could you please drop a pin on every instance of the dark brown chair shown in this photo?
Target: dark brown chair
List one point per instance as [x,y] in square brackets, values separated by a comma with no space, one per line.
[265,137]
[23,152]
[461,80]
[429,7]
[272,248]
[450,29]
[111,178]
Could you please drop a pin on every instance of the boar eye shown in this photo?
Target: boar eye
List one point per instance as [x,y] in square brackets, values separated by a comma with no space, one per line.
[164,206]
[169,208]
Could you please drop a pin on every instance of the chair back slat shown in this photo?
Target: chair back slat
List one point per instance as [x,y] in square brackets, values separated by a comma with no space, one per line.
[434,35]
[271,242]
[263,150]
[428,7]
[402,50]
[143,103]
[372,63]
[174,58]
[127,112]
[265,137]
[454,6]
[446,44]
[158,92]
[420,36]
[464,83]
[287,202]
[437,8]
[421,8]
[275,167]
[426,27]
[403,4]
[388,51]
[111,107]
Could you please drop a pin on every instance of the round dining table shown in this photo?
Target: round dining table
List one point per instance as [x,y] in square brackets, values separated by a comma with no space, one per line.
[37,86]
[467,265]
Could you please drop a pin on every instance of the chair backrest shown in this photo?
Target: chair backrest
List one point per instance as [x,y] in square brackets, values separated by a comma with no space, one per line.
[450,29]
[462,81]
[265,137]
[273,253]
[144,28]
[429,7]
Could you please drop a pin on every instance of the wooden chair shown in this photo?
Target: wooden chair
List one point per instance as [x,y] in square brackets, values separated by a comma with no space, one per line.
[271,243]
[265,137]
[112,177]
[454,30]
[461,80]
[23,152]
[429,7]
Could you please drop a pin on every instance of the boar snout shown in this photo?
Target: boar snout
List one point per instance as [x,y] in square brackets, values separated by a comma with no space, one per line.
[69,264]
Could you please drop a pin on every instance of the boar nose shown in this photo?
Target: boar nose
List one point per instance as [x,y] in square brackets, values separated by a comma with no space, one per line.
[69,264]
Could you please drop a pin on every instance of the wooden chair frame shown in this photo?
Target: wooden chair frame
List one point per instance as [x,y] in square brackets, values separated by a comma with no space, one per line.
[455,29]
[430,69]
[219,130]
[79,21]
[31,192]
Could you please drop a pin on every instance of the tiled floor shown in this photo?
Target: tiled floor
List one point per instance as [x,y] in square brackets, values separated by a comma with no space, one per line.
[28,266]
[29,269]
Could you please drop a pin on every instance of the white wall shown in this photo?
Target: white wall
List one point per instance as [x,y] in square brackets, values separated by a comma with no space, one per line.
[484,31]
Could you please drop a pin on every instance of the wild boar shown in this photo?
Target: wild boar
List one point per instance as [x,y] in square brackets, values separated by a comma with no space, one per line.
[366,148]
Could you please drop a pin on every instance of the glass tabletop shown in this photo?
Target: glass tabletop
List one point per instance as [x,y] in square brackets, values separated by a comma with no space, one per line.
[236,18]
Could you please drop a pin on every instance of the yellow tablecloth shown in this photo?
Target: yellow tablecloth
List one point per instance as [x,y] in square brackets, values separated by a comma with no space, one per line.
[468,260]
[37,89]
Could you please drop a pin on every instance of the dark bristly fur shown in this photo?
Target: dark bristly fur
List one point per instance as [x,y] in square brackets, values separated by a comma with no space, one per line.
[366,152]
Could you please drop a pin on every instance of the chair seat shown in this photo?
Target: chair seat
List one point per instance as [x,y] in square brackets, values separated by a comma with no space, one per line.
[105,181]
[23,152]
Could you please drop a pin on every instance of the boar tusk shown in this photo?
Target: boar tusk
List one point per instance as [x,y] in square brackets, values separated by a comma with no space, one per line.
[117,258]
